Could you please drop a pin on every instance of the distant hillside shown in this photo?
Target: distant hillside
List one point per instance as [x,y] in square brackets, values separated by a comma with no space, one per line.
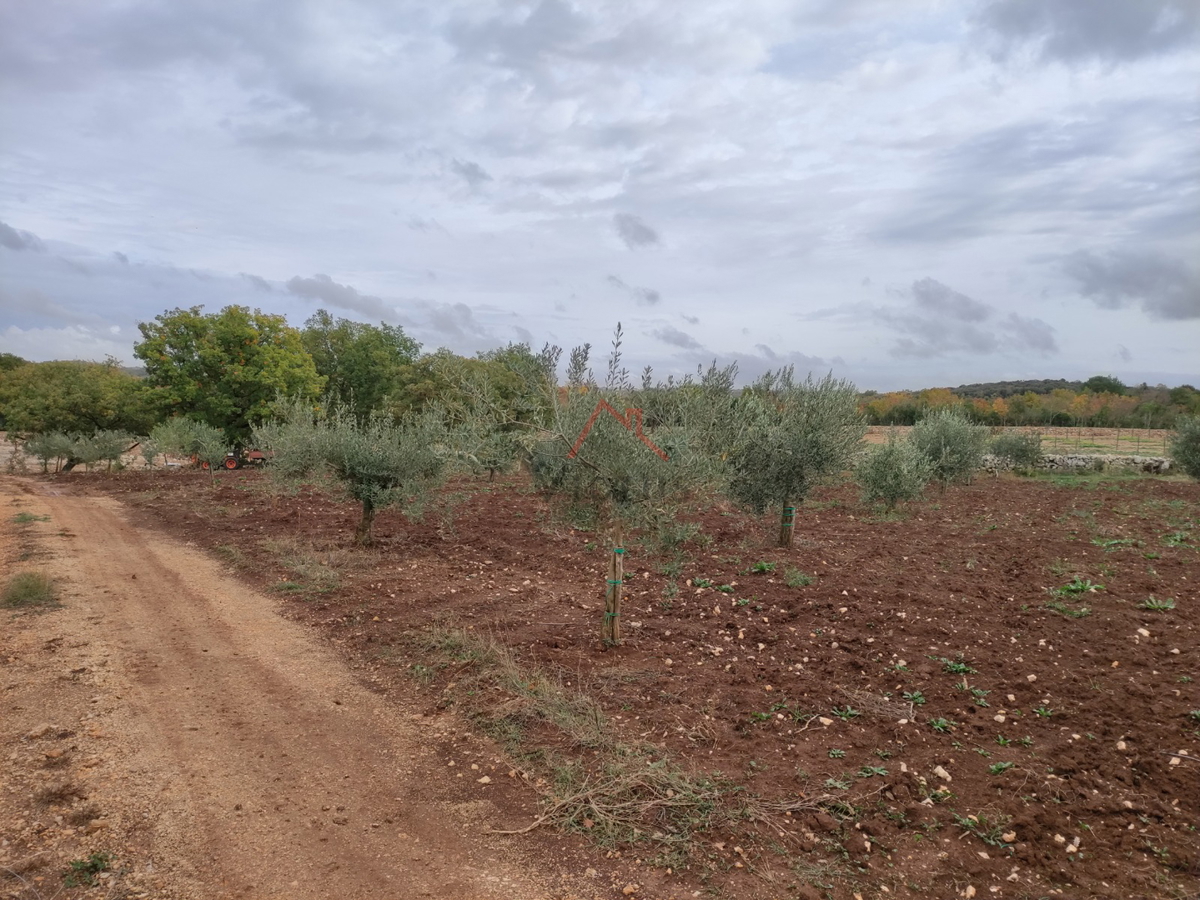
[135,371]
[1009,388]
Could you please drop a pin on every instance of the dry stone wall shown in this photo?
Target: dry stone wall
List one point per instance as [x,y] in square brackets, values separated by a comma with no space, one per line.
[1157,465]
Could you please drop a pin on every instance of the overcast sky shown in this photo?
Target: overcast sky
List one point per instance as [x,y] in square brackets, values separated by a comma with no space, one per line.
[908,192]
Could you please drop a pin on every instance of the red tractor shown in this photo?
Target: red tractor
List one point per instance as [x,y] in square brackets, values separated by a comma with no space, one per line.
[235,459]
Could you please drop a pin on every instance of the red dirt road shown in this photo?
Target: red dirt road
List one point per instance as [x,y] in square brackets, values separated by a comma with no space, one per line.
[221,750]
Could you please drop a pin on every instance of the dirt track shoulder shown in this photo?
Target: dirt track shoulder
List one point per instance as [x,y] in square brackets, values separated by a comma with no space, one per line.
[213,747]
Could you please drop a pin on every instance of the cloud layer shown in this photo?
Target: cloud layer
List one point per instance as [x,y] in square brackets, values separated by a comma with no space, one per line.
[908,192]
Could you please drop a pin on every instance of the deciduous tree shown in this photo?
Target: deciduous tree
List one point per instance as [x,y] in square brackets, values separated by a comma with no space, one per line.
[361,363]
[226,368]
[73,397]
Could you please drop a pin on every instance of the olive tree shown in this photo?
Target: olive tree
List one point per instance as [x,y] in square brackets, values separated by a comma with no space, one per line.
[599,451]
[376,462]
[952,446]
[892,472]
[50,446]
[105,445]
[795,435]
[203,443]
[1021,451]
[1185,445]
[70,450]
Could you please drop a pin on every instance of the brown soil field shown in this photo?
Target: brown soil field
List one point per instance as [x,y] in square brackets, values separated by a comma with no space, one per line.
[912,705]
[1088,441]
[167,734]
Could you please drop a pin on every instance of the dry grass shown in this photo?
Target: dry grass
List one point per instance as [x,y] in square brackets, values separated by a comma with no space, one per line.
[878,705]
[312,570]
[592,782]
[1116,441]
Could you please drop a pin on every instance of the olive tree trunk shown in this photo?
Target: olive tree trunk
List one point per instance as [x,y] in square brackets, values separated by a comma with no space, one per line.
[787,526]
[362,534]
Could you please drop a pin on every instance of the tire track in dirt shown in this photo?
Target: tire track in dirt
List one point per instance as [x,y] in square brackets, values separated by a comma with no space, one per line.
[288,778]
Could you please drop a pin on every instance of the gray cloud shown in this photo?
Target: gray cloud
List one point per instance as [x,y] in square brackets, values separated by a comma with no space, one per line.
[33,305]
[456,321]
[1023,333]
[766,352]
[121,258]
[940,321]
[259,282]
[647,296]
[934,297]
[1163,287]
[324,289]
[471,172]
[1050,175]
[668,334]
[1123,353]
[416,223]
[691,320]
[1091,30]
[644,296]
[634,232]
[19,240]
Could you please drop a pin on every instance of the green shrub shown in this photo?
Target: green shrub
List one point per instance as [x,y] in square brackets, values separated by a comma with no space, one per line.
[1185,445]
[83,872]
[1022,451]
[28,589]
[892,472]
[951,445]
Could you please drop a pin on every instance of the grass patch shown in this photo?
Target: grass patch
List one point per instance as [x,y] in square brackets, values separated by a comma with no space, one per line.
[231,554]
[1069,611]
[535,697]
[794,578]
[29,590]
[25,518]
[1106,480]
[1111,544]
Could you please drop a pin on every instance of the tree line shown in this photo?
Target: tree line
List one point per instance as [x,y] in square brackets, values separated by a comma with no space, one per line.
[1100,402]
[227,370]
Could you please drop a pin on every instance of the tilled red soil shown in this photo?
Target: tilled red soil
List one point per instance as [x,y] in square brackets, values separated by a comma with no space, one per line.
[923,643]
